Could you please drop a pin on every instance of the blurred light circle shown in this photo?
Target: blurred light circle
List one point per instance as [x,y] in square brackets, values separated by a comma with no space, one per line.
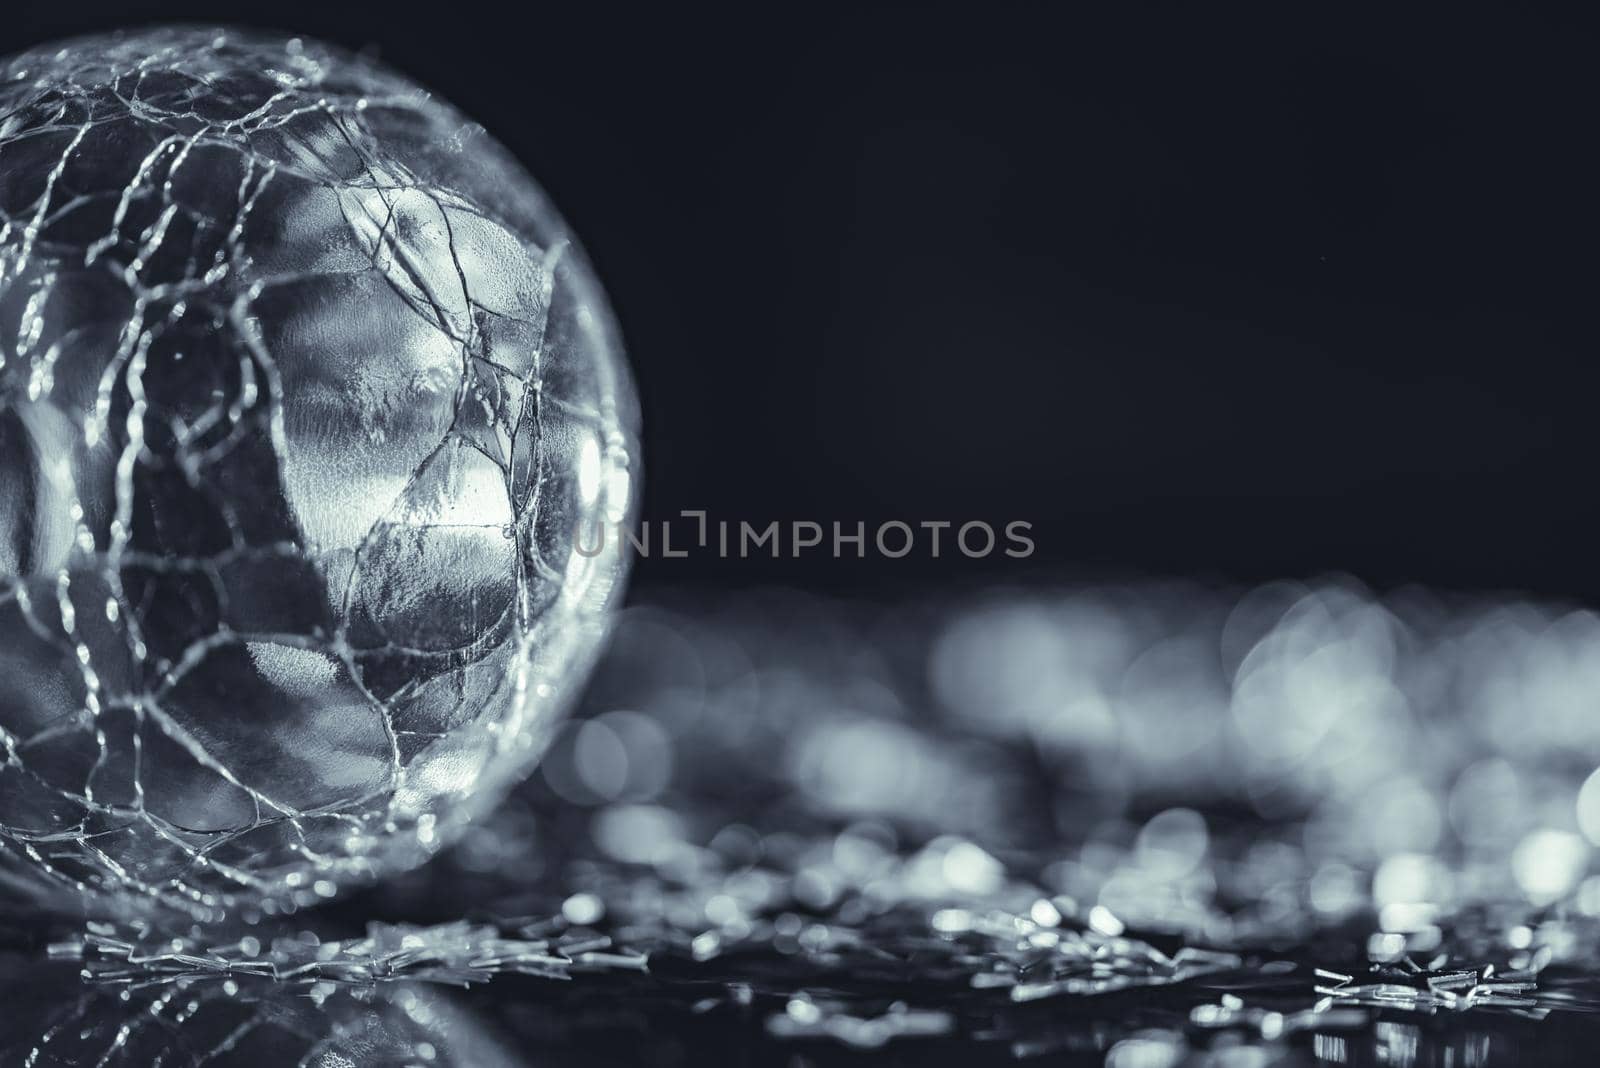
[649,751]
[601,760]
[1407,878]
[1589,807]
[1487,805]
[1335,889]
[1548,864]
[1403,815]
[1159,1049]
[970,870]
[637,834]
[1173,843]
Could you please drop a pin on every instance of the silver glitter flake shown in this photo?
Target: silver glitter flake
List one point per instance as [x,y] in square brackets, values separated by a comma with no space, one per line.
[304,393]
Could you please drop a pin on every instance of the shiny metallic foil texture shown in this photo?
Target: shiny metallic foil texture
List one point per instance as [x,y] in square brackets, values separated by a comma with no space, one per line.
[305,393]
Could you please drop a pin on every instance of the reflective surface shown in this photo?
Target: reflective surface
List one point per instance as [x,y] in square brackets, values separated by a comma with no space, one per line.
[304,391]
[1011,826]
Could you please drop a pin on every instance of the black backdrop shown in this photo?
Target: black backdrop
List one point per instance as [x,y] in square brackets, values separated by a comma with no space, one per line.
[1240,292]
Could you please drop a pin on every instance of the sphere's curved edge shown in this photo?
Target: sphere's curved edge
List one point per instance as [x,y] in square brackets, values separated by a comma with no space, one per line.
[405,346]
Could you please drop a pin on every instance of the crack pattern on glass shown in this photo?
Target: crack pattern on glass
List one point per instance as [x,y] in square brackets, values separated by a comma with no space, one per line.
[304,393]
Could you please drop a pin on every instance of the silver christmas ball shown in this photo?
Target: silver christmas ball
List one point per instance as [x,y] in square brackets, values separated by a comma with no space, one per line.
[306,394]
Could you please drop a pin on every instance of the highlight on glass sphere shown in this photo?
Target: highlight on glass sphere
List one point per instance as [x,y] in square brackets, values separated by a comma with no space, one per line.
[305,392]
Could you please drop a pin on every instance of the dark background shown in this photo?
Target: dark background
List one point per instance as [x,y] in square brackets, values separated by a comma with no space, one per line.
[1237,292]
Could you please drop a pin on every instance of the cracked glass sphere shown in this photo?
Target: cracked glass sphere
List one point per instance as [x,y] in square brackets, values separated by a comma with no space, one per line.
[306,395]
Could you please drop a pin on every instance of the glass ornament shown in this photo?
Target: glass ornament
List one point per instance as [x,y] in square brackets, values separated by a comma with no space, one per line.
[305,394]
